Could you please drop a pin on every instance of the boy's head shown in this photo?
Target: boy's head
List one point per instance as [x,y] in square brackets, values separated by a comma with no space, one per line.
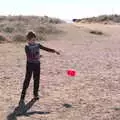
[31,37]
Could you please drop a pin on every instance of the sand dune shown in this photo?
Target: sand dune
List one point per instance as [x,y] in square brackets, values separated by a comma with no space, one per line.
[94,93]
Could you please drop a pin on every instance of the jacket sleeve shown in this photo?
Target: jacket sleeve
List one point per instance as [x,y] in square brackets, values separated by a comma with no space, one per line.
[46,49]
[27,50]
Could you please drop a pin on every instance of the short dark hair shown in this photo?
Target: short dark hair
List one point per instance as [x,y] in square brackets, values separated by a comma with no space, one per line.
[30,35]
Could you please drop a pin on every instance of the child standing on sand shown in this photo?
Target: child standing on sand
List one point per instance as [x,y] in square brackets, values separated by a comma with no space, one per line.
[33,64]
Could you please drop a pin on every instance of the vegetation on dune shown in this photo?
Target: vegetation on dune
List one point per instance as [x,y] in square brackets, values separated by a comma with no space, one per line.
[44,19]
[102,18]
[15,27]
[19,38]
[2,39]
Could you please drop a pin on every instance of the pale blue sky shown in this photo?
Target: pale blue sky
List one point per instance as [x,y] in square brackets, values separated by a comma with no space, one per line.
[65,9]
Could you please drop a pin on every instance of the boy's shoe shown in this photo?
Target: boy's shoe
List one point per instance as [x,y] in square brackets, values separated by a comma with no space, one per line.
[21,103]
[36,97]
[22,97]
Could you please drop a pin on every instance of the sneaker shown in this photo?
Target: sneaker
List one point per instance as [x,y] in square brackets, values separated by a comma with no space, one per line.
[21,103]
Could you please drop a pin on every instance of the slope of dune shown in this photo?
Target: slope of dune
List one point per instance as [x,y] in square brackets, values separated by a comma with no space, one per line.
[93,94]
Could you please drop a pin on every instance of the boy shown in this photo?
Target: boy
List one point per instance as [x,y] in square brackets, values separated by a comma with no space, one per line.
[33,64]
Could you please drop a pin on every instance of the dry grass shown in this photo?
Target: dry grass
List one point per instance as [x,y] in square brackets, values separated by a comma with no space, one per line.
[96,32]
[20,25]
[19,38]
[100,19]
[2,39]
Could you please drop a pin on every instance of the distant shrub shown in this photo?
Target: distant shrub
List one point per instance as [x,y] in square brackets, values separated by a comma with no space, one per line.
[96,32]
[46,29]
[2,25]
[9,29]
[2,18]
[51,29]
[2,39]
[19,38]
[41,29]
[22,38]
[17,18]
[55,21]
[76,20]
[41,37]
[47,19]
[102,18]
[19,26]
[15,27]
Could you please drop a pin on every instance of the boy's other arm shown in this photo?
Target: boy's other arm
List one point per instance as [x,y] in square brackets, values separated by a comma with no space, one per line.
[46,49]
[27,50]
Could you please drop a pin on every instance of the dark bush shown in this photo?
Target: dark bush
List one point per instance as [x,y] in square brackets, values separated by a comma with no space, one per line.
[19,38]
[2,39]
[96,32]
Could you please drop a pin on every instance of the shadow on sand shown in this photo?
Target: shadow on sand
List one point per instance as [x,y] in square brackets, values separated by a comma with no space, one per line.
[21,110]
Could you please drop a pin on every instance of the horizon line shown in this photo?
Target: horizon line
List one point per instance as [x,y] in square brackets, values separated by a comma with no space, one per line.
[13,15]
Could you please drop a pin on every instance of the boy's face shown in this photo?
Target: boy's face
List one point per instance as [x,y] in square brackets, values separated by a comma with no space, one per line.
[32,40]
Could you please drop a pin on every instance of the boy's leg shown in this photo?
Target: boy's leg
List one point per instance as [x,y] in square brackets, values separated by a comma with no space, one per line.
[27,79]
[36,77]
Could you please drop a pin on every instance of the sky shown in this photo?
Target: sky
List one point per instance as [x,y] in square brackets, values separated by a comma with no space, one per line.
[64,9]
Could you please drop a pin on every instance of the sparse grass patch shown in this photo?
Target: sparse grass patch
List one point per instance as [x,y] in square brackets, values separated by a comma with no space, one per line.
[41,29]
[41,36]
[55,21]
[117,108]
[47,19]
[19,38]
[46,29]
[2,39]
[67,105]
[96,32]
[15,27]
[100,19]
[9,29]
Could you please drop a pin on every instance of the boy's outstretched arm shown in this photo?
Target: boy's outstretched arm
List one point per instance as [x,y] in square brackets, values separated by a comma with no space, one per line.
[48,49]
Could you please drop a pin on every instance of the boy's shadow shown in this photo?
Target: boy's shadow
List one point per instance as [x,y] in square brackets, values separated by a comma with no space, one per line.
[21,110]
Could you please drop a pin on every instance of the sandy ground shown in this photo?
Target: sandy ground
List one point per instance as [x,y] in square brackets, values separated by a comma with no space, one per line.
[94,93]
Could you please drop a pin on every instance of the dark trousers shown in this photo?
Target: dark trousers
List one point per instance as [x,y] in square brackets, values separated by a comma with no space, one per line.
[31,68]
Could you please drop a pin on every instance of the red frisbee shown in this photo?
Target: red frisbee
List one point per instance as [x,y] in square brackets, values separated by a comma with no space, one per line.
[71,73]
